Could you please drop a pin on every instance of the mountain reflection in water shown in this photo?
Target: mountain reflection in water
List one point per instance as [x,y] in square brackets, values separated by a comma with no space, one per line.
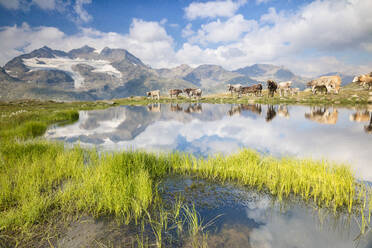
[340,135]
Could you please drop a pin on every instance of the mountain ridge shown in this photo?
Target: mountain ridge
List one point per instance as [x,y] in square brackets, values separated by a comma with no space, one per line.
[115,73]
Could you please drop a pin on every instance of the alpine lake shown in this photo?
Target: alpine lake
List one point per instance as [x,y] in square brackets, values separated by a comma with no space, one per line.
[231,215]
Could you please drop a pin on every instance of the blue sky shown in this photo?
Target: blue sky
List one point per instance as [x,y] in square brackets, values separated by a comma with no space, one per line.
[308,37]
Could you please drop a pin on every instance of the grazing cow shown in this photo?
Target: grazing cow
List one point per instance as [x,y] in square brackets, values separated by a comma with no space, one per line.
[174,92]
[175,108]
[187,91]
[283,111]
[322,115]
[194,108]
[270,114]
[153,107]
[359,116]
[196,93]
[320,89]
[364,80]
[284,87]
[234,88]
[272,87]
[193,92]
[154,93]
[330,82]
[294,91]
[255,89]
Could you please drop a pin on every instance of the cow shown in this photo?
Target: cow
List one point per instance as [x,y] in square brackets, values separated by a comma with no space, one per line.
[153,107]
[193,92]
[321,89]
[197,93]
[359,116]
[272,87]
[364,80]
[154,93]
[294,91]
[284,87]
[234,88]
[174,92]
[255,89]
[330,82]
[283,111]
[270,114]
[187,91]
[322,115]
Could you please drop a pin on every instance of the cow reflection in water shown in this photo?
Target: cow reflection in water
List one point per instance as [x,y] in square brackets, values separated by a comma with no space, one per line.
[237,109]
[175,108]
[368,128]
[360,116]
[363,116]
[194,108]
[322,115]
[153,107]
[283,111]
[270,113]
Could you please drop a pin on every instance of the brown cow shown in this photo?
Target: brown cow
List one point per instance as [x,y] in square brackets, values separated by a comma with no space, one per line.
[174,92]
[272,87]
[364,80]
[330,82]
[255,89]
[193,92]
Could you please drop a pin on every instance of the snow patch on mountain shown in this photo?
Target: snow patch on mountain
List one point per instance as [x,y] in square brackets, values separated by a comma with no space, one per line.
[66,64]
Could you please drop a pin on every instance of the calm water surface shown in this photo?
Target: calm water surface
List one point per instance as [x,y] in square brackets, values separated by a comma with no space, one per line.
[249,219]
[340,135]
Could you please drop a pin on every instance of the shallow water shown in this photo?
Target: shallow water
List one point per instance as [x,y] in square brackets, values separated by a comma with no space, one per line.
[250,219]
[340,135]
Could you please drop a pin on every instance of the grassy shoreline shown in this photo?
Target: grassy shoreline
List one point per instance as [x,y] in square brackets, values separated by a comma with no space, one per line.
[40,180]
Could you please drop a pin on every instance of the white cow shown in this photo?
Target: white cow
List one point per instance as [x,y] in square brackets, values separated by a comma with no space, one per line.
[154,93]
[284,87]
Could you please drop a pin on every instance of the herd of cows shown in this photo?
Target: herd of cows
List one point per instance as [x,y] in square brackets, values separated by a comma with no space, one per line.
[325,83]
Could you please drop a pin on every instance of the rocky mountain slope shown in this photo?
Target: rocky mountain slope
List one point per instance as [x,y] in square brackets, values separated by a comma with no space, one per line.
[263,72]
[88,74]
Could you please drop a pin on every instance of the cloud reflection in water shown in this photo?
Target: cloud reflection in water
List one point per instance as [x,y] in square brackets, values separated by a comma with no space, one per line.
[205,129]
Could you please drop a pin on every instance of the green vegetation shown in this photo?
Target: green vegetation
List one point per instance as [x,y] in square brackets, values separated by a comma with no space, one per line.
[43,181]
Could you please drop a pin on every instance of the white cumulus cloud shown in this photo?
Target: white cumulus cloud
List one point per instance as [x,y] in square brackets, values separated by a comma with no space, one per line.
[212,9]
